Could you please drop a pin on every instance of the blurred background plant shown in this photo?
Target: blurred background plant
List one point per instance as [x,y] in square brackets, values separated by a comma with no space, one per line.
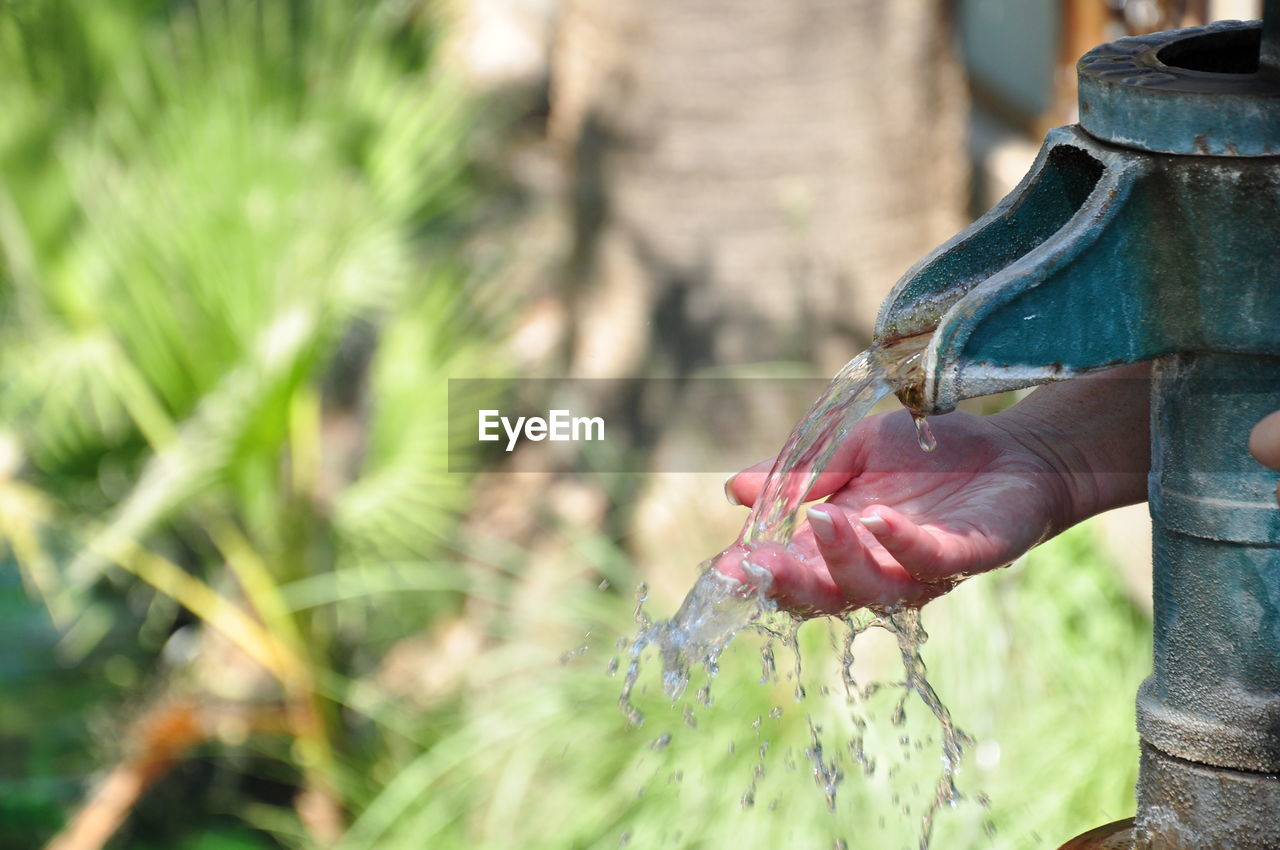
[244,603]
[232,301]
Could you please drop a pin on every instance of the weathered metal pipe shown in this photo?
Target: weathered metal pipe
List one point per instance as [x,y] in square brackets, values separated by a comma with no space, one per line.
[1151,231]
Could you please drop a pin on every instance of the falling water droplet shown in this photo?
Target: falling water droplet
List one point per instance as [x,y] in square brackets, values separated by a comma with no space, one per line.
[924,434]
[768,665]
[689,719]
[642,596]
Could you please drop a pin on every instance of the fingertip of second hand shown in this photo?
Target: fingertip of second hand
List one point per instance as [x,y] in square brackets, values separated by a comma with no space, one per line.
[729,495]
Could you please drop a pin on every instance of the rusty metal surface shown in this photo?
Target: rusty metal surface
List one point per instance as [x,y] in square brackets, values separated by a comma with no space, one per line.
[1193,91]
[1037,210]
[1075,190]
[1187,806]
[1215,695]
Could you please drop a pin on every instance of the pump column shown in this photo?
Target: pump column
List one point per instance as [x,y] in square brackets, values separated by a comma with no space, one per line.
[1210,716]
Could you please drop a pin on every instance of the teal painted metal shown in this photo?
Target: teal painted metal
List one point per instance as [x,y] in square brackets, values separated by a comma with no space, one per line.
[1151,231]
[1192,91]
[1101,256]
[1215,695]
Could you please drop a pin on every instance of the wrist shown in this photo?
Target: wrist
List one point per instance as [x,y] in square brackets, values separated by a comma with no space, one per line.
[1063,467]
[1093,432]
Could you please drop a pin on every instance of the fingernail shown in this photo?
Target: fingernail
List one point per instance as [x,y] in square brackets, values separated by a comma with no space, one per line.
[728,491]
[874,524]
[823,527]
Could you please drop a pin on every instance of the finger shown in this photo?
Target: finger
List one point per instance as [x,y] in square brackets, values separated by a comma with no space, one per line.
[743,488]
[795,586]
[1264,441]
[859,576]
[729,563]
[928,557]
[798,587]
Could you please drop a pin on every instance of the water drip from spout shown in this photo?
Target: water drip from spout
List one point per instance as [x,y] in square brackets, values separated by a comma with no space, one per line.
[924,434]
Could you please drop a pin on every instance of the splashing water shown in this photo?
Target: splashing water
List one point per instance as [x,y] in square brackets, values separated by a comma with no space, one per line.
[911,636]
[716,609]
[719,606]
[849,397]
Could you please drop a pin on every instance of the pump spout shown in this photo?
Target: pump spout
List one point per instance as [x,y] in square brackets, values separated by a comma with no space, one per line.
[1013,300]
[1100,256]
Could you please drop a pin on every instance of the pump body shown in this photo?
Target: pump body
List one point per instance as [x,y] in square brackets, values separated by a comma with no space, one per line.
[1151,231]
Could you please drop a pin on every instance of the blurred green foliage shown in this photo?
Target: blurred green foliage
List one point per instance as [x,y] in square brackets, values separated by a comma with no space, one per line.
[233,290]
[1039,663]
[231,300]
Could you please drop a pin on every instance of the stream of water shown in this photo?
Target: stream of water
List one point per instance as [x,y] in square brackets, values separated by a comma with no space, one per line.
[718,607]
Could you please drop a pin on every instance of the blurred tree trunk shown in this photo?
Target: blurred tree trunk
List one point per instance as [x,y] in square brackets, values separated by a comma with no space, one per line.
[750,179]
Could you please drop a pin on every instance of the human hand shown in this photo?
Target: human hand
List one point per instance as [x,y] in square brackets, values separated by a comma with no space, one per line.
[1264,444]
[902,526]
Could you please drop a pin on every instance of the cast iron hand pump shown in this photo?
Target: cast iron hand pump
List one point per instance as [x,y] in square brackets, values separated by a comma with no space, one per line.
[1151,231]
